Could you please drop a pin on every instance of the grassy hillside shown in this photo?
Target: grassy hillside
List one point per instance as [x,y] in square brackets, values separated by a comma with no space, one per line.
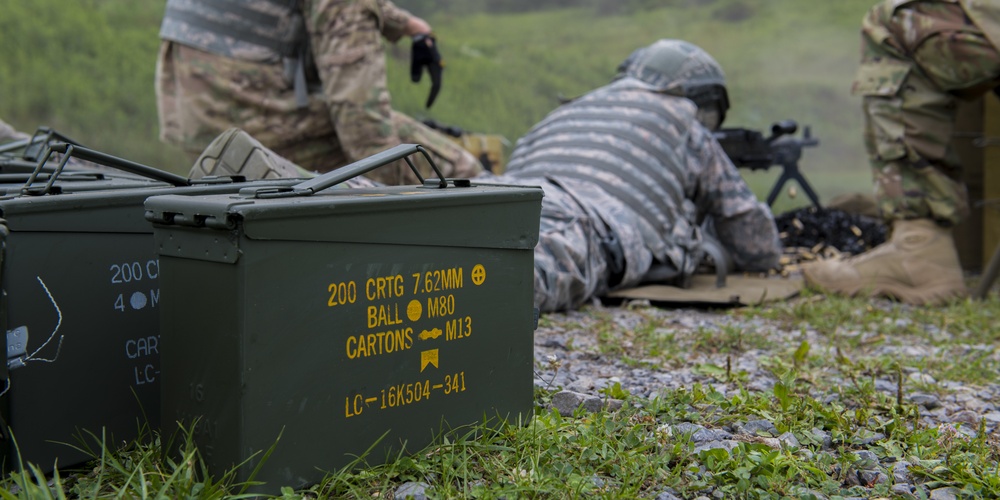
[783,59]
[86,68]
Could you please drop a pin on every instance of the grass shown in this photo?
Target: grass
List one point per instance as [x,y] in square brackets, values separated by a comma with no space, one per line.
[87,69]
[825,354]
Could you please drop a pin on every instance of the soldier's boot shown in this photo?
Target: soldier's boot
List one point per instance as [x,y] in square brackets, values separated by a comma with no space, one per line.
[918,265]
[235,153]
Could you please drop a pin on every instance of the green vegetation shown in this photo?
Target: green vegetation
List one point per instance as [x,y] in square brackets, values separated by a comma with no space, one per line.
[825,396]
[86,68]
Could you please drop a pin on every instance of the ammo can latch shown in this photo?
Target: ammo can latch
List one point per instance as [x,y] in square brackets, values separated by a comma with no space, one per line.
[330,179]
[17,347]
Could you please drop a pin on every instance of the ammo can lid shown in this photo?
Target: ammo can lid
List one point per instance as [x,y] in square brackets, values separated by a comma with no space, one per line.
[461,214]
[116,208]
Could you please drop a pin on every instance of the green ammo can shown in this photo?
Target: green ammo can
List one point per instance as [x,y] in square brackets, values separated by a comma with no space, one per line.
[79,305]
[343,320]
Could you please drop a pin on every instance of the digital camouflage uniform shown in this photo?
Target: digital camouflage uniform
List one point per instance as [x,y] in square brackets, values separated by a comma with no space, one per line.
[207,83]
[918,57]
[8,133]
[629,175]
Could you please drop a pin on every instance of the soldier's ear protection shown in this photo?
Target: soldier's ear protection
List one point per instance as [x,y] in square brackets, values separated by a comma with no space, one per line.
[425,55]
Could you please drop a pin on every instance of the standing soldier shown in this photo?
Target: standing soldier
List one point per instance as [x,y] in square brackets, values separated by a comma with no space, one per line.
[918,58]
[307,78]
[630,172]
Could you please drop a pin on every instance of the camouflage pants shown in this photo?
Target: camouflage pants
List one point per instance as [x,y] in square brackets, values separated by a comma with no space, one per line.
[916,59]
[584,236]
[200,95]
[7,133]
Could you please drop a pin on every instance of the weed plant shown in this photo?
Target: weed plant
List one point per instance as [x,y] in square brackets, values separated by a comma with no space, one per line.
[826,407]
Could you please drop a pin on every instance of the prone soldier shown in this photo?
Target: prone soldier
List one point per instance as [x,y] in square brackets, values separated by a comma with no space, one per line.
[631,171]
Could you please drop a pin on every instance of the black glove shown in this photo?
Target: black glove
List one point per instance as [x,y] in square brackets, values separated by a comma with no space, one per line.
[425,54]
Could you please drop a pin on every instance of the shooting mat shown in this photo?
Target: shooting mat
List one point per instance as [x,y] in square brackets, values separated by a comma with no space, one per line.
[739,291]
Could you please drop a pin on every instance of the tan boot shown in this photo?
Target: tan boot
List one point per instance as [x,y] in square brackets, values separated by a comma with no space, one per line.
[918,265]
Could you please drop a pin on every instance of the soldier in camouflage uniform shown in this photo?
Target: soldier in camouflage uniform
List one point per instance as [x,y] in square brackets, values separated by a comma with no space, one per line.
[630,173]
[307,78]
[8,133]
[918,58]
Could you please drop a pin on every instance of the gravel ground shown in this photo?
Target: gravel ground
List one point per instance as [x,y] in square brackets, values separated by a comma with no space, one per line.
[570,342]
[571,356]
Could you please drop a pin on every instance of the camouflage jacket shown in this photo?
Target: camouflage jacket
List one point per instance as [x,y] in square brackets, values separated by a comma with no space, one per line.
[265,31]
[648,150]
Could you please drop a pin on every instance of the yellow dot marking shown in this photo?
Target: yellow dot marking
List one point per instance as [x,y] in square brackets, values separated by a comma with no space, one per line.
[478,274]
[414,310]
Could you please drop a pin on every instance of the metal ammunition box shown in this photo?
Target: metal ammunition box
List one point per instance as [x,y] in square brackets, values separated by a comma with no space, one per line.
[343,320]
[79,305]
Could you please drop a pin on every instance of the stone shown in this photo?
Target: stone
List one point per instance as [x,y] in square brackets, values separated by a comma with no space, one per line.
[870,478]
[948,493]
[667,495]
[567,402]
[922,378]
[710,435]
[788,440]
[686,428]
[903,489]
[901,472]
[411,491]
[928,401]
[755,427]
[716,445]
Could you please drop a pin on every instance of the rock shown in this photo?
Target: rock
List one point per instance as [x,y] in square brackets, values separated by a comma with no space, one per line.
[883,385]
[948,493]
[922,378]
[870,478]
[903,489]
[789,440]
[710,435]
[667,495]
[865,438]
[867,457]
[412,490]
[928,401]
[822,437]
[686,428]
[901,472]
[716,445]
[970,418]
[756,427]
[772,443]
[566,402]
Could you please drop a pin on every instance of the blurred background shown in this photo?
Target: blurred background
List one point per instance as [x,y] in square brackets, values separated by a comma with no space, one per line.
[86,69]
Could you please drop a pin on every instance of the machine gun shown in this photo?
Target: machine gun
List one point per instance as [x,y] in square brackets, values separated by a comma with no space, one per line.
[750,149]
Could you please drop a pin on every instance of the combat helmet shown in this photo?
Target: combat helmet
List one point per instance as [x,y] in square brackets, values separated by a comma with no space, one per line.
[682,68]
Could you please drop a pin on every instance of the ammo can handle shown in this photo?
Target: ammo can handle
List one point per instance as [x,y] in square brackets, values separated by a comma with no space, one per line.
[360,167]
[83,153]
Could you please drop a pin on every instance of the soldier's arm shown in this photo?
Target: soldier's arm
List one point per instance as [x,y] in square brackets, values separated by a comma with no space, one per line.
[397,22]
[744,225]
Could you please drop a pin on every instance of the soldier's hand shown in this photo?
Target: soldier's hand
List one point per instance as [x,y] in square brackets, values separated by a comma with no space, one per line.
[425,55]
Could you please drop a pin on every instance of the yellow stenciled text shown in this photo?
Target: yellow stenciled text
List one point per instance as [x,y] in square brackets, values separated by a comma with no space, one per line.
[384,287]
[438,281]
[458,328]
[374,344]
